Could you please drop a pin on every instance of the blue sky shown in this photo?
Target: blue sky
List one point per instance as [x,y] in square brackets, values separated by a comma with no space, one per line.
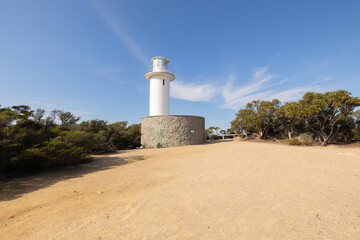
[90,57]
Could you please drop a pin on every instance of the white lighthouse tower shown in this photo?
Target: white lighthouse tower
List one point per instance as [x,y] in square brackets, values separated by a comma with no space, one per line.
[160,78]
[161,129]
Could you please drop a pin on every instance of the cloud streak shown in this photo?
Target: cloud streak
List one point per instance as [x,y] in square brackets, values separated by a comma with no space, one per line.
[108,73]
[261,86]
[234,96]
[192,92]
[113,23]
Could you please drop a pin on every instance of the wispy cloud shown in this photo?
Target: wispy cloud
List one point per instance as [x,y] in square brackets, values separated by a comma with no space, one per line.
[322,78]
[180,90]
[192,92]
[108,73]
[234,96]
[261,86]
[114,24]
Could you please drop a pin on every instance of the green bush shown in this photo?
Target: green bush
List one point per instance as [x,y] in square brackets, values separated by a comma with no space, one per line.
[294,141]
[29,142]
[59,152]
[55,152]
[303,139]
[306,139]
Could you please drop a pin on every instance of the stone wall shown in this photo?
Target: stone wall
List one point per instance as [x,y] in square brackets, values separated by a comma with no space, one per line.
[172,130]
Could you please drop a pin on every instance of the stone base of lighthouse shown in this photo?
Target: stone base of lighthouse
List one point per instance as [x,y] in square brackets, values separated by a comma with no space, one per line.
[172,130]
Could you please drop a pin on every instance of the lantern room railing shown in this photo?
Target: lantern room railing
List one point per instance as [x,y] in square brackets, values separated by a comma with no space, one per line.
[167,69]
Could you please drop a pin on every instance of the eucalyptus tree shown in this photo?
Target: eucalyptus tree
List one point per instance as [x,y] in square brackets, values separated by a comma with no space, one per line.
[7,117]
[265,119]
[289,115]
[66,118]
[23,112]
[258,117]
[38,115]
[356,116]
[245,122]
[323,112]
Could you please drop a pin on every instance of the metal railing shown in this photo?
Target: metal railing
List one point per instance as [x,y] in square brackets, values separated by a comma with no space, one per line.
[167,69]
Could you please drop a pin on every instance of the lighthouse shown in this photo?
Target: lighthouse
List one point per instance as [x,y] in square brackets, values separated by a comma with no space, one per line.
[160,77]
[160,129]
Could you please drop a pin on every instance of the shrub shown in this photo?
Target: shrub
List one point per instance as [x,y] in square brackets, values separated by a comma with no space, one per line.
[294,141]
[60,152]
[306,139]
[30,142]
[55,152]
[101,143]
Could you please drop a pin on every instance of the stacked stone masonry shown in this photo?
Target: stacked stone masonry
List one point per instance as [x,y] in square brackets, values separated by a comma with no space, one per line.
[172,130]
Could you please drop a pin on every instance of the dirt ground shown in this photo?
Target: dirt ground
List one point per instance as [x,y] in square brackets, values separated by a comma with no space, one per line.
[224,190]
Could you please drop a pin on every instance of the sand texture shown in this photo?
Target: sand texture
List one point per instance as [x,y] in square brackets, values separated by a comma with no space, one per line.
[224,190]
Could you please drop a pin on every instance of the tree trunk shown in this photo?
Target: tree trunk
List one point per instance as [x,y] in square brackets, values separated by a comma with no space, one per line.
[328,138]
[289,135]
[261,133]
[266,133]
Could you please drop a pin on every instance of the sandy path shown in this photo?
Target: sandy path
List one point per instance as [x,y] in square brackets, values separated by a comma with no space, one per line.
[227,190]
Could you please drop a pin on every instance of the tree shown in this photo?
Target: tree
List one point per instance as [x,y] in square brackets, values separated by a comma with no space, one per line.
[245,122]
[117,133]
[66,118]
[28,142]
[322,112]
[356,116]
[93,126]
[258,117]
[134,134]
[38,115]
[7,116]
[230,131]
[209,133]
[289,116]
[266,113]
[346,130]
[23,111]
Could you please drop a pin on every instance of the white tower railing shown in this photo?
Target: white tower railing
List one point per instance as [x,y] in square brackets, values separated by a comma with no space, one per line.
[168,69]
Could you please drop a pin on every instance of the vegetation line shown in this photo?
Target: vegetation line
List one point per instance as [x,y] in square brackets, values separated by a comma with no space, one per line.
[321,117]
[31,142]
